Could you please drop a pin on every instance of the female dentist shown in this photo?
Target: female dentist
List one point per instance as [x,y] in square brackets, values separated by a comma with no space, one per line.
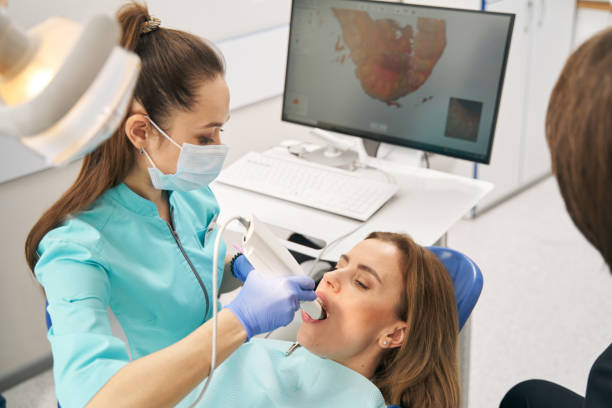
[135,233]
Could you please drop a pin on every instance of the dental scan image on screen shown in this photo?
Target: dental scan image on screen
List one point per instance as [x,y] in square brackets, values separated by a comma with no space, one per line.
[417,76]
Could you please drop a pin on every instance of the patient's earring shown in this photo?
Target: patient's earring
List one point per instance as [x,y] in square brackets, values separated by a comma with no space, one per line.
[385,342]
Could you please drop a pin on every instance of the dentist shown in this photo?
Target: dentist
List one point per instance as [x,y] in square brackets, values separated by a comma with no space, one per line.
[135,233]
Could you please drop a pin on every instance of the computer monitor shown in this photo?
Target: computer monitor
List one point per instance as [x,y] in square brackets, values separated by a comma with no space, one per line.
[428,78]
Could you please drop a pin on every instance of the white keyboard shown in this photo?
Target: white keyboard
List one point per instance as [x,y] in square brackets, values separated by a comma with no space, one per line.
[325,188]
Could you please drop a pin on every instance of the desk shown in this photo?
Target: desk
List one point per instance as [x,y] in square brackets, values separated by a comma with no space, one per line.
[427,204]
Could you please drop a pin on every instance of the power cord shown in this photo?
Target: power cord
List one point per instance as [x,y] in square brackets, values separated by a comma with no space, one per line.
[389,176]
[213,358]
[426,157]
[332,243]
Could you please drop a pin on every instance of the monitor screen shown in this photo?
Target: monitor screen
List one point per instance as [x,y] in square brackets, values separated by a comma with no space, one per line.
[423,77]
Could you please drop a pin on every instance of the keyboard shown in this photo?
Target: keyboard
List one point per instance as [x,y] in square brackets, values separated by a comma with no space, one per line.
[325,188]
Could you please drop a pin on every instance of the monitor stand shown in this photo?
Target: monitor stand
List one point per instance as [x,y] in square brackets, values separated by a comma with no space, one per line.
[383,153]
[349,152]
[338,151]
[332,156]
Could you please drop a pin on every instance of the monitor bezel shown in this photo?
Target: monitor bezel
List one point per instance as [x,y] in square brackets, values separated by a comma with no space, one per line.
[460,154]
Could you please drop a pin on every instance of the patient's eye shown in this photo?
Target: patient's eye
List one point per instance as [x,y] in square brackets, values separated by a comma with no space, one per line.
[360,284]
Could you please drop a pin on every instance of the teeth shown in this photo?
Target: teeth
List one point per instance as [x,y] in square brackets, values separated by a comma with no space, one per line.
[323,309]
[320,302]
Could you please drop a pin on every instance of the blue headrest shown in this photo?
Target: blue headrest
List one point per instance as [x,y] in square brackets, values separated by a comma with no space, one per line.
[466,277]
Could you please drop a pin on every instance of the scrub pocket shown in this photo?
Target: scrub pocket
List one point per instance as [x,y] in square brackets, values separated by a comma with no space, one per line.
[201,236]
[206,234]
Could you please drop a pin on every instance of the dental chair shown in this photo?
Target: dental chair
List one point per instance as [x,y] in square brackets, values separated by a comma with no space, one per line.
[466,277]
[467,281]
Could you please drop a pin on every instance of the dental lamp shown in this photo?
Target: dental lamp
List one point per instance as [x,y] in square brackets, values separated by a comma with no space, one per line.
[64,87]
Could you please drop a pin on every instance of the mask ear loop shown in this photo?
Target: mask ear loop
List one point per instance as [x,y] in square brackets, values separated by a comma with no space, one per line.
[143,151]
[164,133]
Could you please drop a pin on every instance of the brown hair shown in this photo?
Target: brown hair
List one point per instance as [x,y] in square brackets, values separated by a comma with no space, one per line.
[173,64]
[579,134]
[424,371]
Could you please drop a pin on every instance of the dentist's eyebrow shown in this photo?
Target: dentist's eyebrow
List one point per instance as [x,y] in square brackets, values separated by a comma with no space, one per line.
[212,125]
[215,124]
[363,267]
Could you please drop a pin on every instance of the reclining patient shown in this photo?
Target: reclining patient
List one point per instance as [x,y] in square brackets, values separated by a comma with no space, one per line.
[390,337]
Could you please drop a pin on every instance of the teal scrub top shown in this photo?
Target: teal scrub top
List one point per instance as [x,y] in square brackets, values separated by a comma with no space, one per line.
[121,254]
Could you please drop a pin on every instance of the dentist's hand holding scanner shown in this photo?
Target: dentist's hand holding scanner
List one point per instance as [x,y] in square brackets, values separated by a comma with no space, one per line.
[264,304]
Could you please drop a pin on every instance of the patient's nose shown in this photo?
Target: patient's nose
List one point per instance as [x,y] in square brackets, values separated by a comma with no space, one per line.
[332,281]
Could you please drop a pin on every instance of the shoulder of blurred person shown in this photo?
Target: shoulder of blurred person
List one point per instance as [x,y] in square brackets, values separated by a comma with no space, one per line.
[599,389]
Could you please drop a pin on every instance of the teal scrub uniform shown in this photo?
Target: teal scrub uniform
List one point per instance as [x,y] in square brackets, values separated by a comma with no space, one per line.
[120,254]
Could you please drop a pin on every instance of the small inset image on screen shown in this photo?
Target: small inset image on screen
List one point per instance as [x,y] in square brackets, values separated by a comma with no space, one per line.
[463,119]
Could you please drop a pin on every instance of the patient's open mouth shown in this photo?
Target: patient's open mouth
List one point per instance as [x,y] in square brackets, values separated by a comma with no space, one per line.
[322,300]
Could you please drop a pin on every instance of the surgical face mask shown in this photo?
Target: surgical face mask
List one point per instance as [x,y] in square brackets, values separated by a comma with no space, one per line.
[197,166]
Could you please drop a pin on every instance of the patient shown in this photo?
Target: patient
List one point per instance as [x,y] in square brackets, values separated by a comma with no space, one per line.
[390,337]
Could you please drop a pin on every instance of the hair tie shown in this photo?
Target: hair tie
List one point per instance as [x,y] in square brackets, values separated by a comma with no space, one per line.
[150,25]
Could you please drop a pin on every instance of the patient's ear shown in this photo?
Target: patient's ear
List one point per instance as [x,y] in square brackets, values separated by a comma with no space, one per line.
[394,337]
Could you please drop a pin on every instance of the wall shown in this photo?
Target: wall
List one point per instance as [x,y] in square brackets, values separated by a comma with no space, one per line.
[23,346]
[589,22]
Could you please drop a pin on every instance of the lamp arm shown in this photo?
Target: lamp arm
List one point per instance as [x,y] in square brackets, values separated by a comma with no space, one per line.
[16,48]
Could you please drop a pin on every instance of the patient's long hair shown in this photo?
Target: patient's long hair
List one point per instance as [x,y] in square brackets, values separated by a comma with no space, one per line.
[423,372]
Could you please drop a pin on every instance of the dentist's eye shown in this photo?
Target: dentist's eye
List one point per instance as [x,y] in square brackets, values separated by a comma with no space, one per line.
[205,140]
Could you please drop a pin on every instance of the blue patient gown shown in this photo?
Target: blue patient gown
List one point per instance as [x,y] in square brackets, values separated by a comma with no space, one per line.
[121,254]
[259,375]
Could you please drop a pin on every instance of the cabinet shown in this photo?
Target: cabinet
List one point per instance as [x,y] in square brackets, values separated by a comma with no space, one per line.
[552,32]
[541,43]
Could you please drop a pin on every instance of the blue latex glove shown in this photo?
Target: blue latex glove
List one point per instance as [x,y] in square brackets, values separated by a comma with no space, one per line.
[264,304]
[241,268]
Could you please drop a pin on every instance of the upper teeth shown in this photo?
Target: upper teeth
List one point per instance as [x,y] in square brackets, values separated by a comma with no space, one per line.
[321,303]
